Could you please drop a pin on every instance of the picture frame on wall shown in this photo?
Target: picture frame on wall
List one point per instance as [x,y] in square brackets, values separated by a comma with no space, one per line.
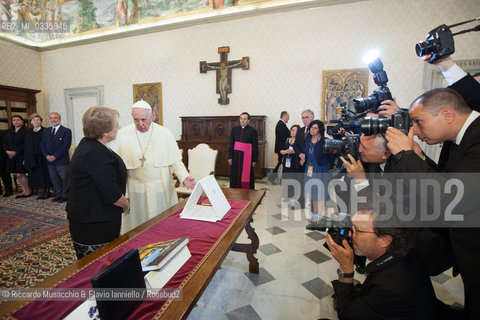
[339,87]
[151,93]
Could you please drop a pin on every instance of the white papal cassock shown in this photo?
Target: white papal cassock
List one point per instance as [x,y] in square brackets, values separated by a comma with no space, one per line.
[151,188]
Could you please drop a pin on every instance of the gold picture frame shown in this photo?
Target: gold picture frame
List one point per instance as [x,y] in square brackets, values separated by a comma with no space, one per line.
[342,86]
[151,93]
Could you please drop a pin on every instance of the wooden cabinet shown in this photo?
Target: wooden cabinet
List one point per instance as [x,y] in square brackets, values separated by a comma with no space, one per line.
[16,101]
[215,131]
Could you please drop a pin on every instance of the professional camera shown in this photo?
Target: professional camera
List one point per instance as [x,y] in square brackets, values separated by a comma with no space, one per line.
[439,44]
[349,145]
[400,120]
[339,227]
[353,125]
[380,94]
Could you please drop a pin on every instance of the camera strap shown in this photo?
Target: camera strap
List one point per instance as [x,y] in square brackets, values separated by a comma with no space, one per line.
[477,28]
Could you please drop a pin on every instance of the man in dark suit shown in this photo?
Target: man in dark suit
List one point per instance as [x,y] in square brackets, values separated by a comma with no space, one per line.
[302,136]
[299,147]
[281,135]
[397,285]
[56,142]
[443,115]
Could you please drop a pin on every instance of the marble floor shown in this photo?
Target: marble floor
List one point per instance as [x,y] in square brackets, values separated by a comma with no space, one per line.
[295,272]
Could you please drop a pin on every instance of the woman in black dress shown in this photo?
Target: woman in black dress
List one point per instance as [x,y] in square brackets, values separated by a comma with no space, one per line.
[97,182]
[35,162]
[14,146]
[290,161]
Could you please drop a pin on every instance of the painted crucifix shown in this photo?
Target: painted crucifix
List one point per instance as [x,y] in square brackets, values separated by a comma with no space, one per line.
[224,72]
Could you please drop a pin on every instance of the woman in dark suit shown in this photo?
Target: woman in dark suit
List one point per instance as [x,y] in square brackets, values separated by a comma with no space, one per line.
[35,162]
[317,165]
[97,184]
[14,146]
[290,161]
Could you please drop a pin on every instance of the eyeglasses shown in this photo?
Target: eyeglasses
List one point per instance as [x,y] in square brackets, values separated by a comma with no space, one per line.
[355,229]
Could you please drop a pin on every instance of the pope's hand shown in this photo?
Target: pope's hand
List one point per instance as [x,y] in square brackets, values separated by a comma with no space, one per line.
[189,182]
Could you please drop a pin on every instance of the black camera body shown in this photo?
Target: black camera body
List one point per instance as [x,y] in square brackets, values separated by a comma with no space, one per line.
[399,120]
[348,145]
[339,227]
[374,101]
[353,125]
[380,94]
[439,44]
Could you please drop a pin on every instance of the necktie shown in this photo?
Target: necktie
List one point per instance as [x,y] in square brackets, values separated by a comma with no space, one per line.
[52,134]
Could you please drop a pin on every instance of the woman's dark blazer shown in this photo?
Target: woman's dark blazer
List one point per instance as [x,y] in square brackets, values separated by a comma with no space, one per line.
[322,158]
[97,179]
[15,141]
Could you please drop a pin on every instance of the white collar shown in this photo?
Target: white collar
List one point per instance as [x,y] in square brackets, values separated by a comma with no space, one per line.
[473,115]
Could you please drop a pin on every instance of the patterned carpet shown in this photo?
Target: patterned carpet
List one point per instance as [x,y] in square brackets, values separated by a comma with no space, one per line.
[37,233]
[22,229]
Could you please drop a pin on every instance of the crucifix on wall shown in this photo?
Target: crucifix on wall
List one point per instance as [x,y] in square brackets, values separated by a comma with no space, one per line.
[224,72]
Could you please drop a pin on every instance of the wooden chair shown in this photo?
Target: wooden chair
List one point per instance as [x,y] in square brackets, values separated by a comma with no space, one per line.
[201,163]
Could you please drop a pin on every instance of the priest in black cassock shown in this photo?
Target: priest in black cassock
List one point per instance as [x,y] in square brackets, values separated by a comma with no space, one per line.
[243,154]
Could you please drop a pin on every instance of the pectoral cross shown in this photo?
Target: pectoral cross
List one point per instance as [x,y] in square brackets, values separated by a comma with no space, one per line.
[224,72]
[142,159]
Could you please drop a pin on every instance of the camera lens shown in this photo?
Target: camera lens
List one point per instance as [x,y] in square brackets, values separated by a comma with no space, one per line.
[424,48]
[374,126]
[333,146]
[364,104]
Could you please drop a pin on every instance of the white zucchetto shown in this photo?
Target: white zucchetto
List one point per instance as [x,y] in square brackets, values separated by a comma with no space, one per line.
[142,104]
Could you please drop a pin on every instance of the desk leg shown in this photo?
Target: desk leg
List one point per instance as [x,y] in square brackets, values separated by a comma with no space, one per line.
[249,249]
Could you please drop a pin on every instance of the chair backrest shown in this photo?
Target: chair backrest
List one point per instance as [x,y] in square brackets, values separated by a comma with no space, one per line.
[201,161]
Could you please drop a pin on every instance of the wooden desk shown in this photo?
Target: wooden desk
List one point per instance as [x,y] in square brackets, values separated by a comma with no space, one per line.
[201,278]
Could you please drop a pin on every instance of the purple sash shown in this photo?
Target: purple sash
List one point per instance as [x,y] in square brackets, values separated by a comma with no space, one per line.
[246,148]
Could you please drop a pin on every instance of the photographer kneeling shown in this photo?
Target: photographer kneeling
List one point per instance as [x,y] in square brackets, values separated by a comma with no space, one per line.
[397,285]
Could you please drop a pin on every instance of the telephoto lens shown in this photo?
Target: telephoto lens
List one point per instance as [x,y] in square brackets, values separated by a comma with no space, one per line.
[371,126]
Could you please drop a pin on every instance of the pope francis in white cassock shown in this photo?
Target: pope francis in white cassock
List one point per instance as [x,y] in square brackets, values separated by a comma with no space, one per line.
[151,155]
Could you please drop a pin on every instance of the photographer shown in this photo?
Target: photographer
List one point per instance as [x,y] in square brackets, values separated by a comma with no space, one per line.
[397,285]
[443,115]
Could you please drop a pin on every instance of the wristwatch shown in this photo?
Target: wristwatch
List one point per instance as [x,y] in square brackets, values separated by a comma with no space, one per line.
[342,274]
[401,154]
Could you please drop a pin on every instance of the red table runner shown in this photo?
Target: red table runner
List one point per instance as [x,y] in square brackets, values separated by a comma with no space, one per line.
[204,236]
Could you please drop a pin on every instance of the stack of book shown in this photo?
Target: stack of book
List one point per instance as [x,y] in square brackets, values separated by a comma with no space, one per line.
[163,259]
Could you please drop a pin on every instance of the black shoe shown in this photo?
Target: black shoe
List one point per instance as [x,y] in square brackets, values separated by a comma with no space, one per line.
[62,200]
[57,199]
[8,194]
[22,196]
[44,196]
[312,226]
